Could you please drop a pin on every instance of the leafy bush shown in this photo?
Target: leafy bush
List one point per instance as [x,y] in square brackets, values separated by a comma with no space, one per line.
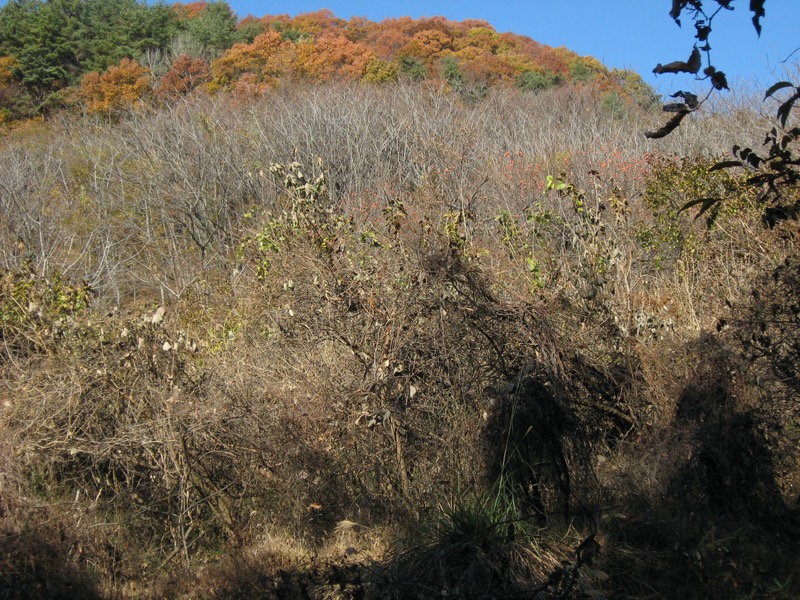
[122,87]
[535,81]
[38,314]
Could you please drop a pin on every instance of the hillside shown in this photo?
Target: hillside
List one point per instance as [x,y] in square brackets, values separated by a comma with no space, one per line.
[308,336]
[105,56]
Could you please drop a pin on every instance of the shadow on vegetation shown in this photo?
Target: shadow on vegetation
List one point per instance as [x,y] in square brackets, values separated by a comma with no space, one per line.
[520,397]
[39,557]
[722,527]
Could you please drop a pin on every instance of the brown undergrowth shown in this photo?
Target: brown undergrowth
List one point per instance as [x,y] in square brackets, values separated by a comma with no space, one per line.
[434,391]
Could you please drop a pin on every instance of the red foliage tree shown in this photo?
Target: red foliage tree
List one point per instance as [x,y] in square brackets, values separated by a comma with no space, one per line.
[185,75]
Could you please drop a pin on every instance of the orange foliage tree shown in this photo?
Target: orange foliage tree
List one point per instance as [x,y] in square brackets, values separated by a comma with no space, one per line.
[359,28]
[333,55]
[387,42]
[7,65]
[322,47]
[429,44]
[190,10]
[488,68]
[12,95]
[122,86]
[267,59]
[314,23]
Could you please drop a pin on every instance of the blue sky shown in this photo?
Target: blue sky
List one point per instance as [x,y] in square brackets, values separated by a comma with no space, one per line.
[633,34]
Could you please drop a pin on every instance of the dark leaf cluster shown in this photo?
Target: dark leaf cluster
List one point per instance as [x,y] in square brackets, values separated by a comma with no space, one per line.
[775,170]
[690,66]
[702,23]
[772,171]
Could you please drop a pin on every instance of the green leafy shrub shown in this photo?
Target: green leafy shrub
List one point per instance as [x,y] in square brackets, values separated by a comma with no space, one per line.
[35,312]
[671,184]
[536,81]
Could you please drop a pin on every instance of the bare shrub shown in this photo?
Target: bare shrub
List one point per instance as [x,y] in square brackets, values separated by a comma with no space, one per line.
[429,294]
[121,425]
[157,199]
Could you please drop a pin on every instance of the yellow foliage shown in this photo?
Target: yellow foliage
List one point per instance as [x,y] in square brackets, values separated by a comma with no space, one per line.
[381,71]
[482,39]
[7,64]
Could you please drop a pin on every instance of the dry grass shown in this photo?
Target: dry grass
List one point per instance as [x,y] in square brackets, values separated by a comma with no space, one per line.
[344,376]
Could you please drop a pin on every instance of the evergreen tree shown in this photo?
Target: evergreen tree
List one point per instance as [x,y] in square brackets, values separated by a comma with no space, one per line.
[55,42]
[214,27]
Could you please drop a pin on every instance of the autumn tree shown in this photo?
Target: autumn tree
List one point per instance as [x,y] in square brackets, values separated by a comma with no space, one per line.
[311,24]
[634,89]
[268,58]
[428,45]
[7,66]
[586,68]
[189,10]
[381,71]
[55,42]
[121,87]
[359,28]
[477,41]
[333,55]
[14,101]
[388,38]
[185,75]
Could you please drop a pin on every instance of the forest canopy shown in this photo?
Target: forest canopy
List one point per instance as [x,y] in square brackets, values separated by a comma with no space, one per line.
[55,53]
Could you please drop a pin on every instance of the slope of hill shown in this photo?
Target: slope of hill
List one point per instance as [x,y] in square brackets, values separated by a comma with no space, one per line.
[107,56]
[269,330]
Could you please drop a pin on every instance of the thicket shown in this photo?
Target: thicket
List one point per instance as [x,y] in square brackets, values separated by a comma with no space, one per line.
[347,341]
